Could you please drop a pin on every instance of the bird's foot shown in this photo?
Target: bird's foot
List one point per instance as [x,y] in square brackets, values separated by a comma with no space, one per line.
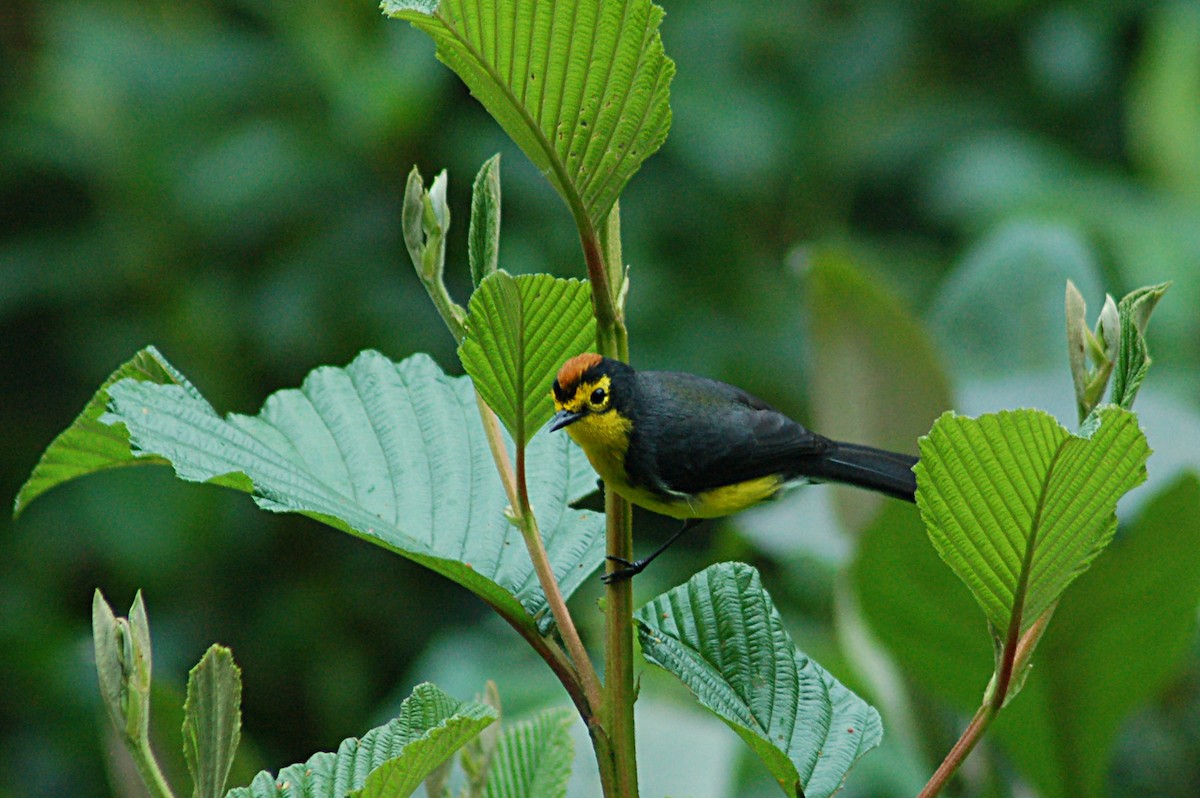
[630,570]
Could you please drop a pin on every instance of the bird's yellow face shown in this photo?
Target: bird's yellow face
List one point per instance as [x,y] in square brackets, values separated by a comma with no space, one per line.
[584,400]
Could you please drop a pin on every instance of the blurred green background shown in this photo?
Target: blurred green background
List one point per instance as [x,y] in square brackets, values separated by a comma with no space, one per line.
[223,179]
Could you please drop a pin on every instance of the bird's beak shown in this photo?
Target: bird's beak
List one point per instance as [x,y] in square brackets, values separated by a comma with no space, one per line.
[562,418]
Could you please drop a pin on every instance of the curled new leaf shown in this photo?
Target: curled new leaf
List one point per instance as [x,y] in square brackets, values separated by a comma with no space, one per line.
[1133,358]
[483,235]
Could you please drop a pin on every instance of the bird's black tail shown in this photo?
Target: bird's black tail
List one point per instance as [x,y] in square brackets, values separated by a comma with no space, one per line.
[874,469]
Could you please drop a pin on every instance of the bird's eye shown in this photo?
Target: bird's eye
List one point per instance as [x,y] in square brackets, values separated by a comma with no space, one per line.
[598,396]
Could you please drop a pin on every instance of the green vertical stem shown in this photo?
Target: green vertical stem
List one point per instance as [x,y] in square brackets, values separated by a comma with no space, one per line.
[619,692]
[147,766]
[575,672]
[603,256]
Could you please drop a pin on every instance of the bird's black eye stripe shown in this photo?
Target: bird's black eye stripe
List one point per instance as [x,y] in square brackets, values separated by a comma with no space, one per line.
[598,396]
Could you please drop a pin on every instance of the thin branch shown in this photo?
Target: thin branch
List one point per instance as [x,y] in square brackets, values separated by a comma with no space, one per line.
[1013,660]
[958,754]
[519,501]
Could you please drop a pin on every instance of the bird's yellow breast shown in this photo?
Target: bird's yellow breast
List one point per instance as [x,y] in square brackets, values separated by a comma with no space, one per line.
[604,438]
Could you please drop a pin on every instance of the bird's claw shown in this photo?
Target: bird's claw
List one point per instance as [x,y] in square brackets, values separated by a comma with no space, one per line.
[630,570]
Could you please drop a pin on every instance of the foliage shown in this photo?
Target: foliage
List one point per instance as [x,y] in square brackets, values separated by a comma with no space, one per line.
[212,721]
[424,488]
[246,220]
[520,330]
[721,635]
[1127,623]
[1018,507]
[580,87]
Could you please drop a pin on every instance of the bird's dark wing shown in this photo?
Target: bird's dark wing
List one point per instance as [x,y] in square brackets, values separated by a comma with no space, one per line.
[707,434]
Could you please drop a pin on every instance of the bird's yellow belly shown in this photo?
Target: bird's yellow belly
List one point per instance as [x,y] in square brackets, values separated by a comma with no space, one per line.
[725,500]
[734,498]
[604,444]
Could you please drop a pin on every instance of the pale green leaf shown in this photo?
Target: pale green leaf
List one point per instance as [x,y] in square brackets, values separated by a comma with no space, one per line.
[1000,309]
[866,344]
[483,236]
[394,453]
[124,666]
[1018,507]
[519,331]
[88,446]
[721,635]
[580,86]
[1133,356]
[390,760]
[212,721]
[1077,350]
[533,759]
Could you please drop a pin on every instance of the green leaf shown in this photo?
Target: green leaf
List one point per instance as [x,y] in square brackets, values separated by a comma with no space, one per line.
[394,453]
[1133,358]
[123,666]
[721,635]
[390,760]
[1163,115]
[212,724]
[866,344]
[922,613]
[580,86]
[1118,636]
[425,220]
[484,235]
[1000,308]
[534,758]
[1090,355]
[1018,507]
[88,446]
[519,331]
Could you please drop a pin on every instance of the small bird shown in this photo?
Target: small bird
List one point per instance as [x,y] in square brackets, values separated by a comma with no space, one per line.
[694,448]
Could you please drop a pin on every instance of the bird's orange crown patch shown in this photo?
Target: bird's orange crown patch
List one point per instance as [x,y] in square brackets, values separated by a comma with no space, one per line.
[576,367]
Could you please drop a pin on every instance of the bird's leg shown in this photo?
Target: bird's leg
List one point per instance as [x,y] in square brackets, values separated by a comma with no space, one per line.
[631,569]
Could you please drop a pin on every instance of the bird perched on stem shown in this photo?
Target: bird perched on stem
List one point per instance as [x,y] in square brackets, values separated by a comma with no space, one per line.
[694,448]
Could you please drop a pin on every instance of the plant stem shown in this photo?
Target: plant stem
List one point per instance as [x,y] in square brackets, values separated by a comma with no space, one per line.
[958,754]
[148,769]
[1011,662]
[619,692]
[612,341]
[575,672]
[554,597]
[514,486]
[610,322]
